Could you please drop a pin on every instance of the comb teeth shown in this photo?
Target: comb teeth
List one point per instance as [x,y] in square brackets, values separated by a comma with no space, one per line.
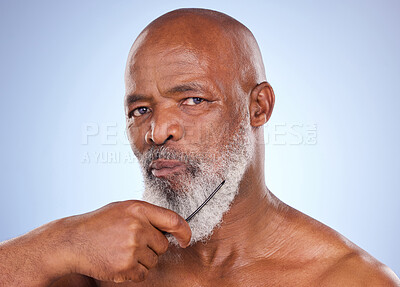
[205,202]
[202,205]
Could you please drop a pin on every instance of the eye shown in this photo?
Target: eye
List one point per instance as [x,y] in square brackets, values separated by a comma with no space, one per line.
[138,112]
[193,101]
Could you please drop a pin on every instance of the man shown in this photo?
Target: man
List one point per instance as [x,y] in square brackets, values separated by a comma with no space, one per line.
[196,101]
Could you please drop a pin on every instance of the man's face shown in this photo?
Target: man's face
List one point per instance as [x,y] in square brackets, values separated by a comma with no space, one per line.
[172,92]
[184,126]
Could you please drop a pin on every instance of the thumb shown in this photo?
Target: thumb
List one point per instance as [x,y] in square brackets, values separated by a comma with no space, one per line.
[168,221]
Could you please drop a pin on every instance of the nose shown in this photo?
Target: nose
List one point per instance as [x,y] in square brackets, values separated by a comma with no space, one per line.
[164,127]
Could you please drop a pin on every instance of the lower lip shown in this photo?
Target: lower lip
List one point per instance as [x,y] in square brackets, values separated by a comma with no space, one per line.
[166,171]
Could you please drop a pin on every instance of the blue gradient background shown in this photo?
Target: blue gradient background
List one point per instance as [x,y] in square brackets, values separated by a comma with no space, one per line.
[333,64]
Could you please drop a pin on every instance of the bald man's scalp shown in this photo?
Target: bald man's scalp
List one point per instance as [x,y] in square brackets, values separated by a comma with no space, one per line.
[218,40]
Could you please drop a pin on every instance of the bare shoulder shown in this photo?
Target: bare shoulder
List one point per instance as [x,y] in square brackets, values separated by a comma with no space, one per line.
[75,280]
[338,261]
[358,269]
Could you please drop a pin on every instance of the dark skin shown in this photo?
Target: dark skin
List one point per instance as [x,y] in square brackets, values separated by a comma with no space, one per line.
[185,95]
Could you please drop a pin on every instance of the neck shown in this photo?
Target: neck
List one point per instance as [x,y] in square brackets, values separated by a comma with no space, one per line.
[252,218]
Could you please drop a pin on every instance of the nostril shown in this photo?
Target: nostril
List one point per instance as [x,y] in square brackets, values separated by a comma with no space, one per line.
[148,138]
[161,132]
[168,138]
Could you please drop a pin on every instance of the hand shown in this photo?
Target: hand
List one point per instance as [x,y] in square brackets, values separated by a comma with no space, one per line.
[122,240]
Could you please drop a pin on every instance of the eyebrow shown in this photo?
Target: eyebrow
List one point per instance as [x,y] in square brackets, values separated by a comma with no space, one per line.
[130,99]
[185,88]
[196,87]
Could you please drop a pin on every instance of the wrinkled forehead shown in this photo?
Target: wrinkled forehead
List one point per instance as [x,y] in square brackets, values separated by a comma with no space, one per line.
[176,49]
[164,58]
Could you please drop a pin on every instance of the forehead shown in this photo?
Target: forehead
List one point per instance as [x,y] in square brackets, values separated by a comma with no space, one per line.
[162,60]
[164,64]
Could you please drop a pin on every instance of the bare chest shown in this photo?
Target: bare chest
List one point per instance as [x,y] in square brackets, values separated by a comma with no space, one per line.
[257,275]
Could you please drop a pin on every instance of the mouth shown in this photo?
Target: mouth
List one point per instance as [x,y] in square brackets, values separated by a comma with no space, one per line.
[164,168]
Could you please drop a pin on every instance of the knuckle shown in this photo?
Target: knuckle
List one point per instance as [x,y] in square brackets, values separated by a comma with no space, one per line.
[163,248]
[121,278]
[136,229]
[118,279]
[135,224]
[136,244]
[123,263]
[164,244]
[140,274]
[131,240]
[136,208]
[153,260]
[175,221]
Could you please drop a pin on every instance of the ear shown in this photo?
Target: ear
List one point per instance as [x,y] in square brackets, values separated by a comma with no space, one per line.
[262,99]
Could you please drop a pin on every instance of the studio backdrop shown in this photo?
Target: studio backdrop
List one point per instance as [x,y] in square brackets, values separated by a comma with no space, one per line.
[332,143]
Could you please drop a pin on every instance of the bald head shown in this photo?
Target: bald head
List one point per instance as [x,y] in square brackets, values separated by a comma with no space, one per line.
[212,40]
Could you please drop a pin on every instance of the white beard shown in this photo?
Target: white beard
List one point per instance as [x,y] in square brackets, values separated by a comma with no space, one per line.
[190,189]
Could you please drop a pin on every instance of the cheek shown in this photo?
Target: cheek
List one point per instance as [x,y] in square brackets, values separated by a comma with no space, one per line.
[136,138]
[207,135]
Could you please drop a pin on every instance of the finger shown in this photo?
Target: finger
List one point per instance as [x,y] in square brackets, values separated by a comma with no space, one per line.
[165,220]
[157,241]
[138,273]
[148,258]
